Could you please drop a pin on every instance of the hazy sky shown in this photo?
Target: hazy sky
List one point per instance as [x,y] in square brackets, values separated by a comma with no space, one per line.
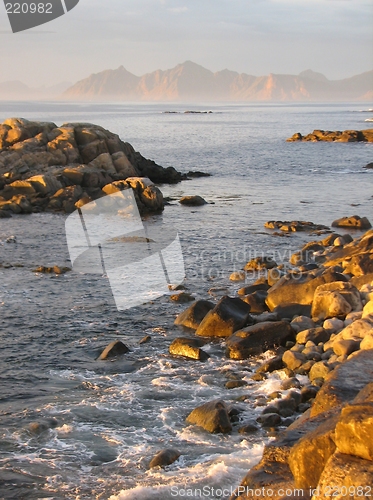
[257,37]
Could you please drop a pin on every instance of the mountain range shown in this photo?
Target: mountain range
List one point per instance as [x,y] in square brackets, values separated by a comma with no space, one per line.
[192,82]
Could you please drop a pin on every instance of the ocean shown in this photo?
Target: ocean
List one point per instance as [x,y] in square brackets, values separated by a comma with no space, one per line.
[102,421]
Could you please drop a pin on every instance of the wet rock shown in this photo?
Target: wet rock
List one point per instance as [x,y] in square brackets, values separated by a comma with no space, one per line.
[293,359]
[188,348]
[192,317]
[248,429]
[334,136]
[164,458]
[294,226]
[193,201]
[290,383]
[308,392]
[182,297]
[115,348]
[247,290]
[261,262]
[258,338]
[269,420]
[271,365]
[234,384]
[228,316]
[212,416]
[256,302]
[145,339]
[353,222]
[238,276]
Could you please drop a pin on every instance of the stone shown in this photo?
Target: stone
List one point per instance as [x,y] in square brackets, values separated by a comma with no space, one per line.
[261,262]
[345,347]
[269,419]
[290,383]
[258,338]
[367,342]
[308,392]
[357,329]
[293,359]
[345,382]
[193,201]
[164,458]
[247,290]
[368,309]
[301,323]
[345,473]
[238,276]
[228,316]
[75,175]
[188,348]
[291,310]
[192,317]
[329,304]
[45,184]
[316,335]
[271,365]
[353,222]
[248,429]
[182,297]
[310,454]
[233,384]
[334,325]
[212,416]
[114,349]
[320,370]
[354,431]
[298,290]
[256,302]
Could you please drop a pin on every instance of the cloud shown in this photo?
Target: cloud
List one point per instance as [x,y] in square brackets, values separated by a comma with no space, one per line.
[178,10]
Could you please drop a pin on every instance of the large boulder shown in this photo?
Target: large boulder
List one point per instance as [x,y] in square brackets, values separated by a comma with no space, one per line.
[354,430]
[212,416]
[258,338]
[192,317]
[353,222]
[228,316]
[299,289]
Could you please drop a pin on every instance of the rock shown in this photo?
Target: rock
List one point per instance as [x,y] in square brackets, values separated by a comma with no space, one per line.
[114,349]
[238,276]
[193,201]
[262,262]
[290,290]
[357,329]
[45,184]
[192,317]
[271,365]
[308,392]
[368,309]
[290,383]
[258,338]
[247,290]
[301,323]
[329,304]
[228,316]
[354,431]
[212,416]
[182,297]
[233,384]
[293,226]
[343,472]
[291,310]
[345,382]
[145,339]
[248,429]
[334,136]
[188,348]
[18,188]
[315,335]
[269,420]
[367,342]
[256,302]
[334,325]
[310,454]
[369,165]
[345,347]
[293,359]
[353,222]
[164,458]
[319,370]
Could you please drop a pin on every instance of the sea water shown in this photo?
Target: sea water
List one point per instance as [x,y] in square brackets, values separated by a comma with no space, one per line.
[104,420]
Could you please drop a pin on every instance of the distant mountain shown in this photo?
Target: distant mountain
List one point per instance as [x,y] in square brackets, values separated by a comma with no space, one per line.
[16,90]
[191,82]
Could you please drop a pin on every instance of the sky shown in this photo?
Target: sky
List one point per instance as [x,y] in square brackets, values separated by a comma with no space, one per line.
[256,37]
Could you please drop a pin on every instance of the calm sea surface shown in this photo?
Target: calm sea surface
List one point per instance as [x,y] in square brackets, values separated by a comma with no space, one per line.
[105,420]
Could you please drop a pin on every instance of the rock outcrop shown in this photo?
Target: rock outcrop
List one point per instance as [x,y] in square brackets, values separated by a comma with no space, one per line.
[336,136]
[46,167]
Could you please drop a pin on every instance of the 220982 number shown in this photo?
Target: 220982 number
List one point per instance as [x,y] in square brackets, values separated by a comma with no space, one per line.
[352,491]
[32,8]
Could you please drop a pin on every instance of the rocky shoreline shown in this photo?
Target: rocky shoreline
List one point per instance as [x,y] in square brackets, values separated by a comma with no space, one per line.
[316,315]
[334,136]
[44,167]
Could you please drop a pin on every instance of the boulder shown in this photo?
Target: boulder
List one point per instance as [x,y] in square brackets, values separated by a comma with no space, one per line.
[261,262]
[315,335]
[164,458]
[301,323]
[188,348]
[193,201]
[345,473]
[114,349]
[122,165]
[212,416]
[45,184]
[354,431]
[258,338]
[256,302]
[192,317]
[319,370]
[293,359]
[345,382]
[228,316]
[310,454]
[353,222]
[18,188]
[345,347]
[301,290]
[329,304]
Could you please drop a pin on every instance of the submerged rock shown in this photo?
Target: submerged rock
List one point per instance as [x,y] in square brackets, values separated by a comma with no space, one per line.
[353,222]
[114,349]
[188,348]
[193,201]
[164,458]
[212,416]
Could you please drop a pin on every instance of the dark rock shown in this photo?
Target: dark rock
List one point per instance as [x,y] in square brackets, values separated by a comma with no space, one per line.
[145,339]
[248,429]
[262,262]
[115,348]
[258,338]
[228,316]
[335,136]
[188,348]
[164,458]
[182,297]
[292,310]
[192,317]
[256,302]
[269,420]
[309,392]
[247,290]
[369,165]
[316,335]
[271,365]
[193,201]
[290,383]
[233,384]
[212,416]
